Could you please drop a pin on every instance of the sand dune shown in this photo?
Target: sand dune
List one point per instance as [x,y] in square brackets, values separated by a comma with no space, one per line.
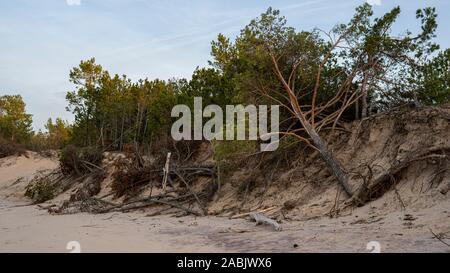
[16,171]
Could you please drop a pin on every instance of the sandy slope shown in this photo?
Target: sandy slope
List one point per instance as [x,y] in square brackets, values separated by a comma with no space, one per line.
[23,168]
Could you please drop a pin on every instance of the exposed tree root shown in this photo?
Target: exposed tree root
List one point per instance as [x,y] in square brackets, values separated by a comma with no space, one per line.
[377,187]
[132,176]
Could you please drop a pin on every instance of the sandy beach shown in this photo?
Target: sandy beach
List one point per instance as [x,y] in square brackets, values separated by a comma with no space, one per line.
[29,229]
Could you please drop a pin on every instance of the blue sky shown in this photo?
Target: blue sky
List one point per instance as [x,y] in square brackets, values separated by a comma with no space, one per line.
[41,40]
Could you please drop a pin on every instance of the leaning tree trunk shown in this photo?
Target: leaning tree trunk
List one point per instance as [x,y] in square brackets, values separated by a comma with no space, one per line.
[364,112]
[364,105]
[331,161]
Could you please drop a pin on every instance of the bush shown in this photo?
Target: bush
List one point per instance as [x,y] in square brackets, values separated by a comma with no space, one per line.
[40,190]
[74,160]
[8,148]
[129,177]
[230,155]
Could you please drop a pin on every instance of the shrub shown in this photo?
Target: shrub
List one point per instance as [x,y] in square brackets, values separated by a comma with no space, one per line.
[129,178]
[74,160]
[8,148]
[40,190]
[229,155]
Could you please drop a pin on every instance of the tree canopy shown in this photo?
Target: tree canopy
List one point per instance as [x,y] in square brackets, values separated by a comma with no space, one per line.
[15,123]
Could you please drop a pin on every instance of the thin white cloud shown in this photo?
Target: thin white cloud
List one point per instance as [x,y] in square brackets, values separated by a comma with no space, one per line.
[73,2]
[374,2]
[204,33]
[301,5]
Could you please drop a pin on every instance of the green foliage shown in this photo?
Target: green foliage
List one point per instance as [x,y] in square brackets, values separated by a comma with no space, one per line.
[433,80]
[84,101]
[56,136]
[161,99]
[248,67]
[384,58]
[59,133]
[15,123]
[111,110]
[211,85]
[230,150]
[114,111]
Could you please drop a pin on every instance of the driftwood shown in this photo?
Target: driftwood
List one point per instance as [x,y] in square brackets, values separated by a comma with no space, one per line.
[159,201]
[193,193]
[159,212]
[439,238]
[92,165]
[260,218]
[90,187]
[248,213]
[133,176]
[129,177]
[145,202]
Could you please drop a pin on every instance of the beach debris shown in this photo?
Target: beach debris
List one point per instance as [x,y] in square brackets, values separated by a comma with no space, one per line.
[260,218]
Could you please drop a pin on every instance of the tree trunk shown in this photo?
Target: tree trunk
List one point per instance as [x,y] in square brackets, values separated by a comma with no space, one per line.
[331,161]
[137,124]
[364,106]
[87,139]
[116,131]
[357,109]
[145,126]
[101,136]
[121,132]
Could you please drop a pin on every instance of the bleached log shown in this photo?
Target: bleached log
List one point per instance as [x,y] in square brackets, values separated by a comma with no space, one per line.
[260,218]
[166,172]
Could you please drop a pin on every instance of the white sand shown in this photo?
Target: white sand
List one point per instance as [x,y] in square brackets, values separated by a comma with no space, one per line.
[28,229]
[12,168]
